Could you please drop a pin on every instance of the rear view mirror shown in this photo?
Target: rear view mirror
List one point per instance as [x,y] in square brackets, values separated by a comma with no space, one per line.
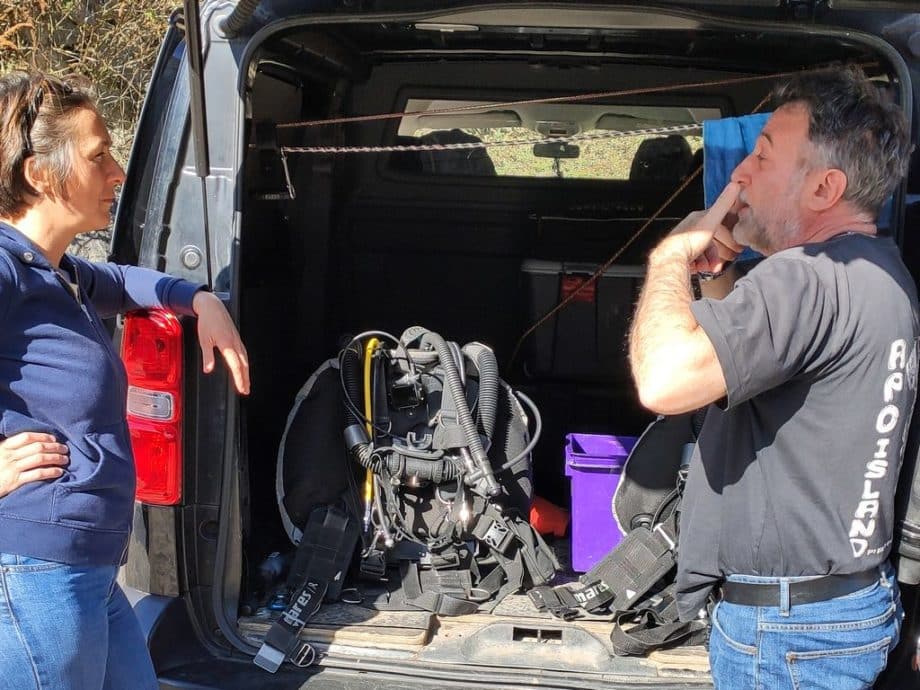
[556,150]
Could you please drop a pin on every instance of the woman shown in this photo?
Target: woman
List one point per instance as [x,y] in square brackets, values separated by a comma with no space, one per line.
[66,469]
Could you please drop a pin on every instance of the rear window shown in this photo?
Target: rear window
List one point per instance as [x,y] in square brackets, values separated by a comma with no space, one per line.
[523,140]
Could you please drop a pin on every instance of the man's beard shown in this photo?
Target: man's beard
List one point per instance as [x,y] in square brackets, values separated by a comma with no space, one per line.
[772,229]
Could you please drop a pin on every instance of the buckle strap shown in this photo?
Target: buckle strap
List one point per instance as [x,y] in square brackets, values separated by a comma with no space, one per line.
[594,596]
[494,532]
[800,592]
[303,655]
[322,556]
[282,641]
[559,602]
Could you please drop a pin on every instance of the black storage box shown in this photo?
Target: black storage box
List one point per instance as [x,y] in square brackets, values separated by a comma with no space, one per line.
[586,340]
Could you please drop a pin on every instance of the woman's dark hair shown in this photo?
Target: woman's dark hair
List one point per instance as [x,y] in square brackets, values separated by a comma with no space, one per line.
[36,113]
[854,129]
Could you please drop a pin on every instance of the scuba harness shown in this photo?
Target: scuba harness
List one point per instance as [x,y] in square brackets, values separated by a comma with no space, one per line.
[442,522]
[451,494]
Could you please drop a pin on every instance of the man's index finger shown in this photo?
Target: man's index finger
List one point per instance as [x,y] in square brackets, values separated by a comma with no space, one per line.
[720,208]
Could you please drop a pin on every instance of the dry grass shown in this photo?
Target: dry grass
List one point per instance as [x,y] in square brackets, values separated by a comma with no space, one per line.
[112,44]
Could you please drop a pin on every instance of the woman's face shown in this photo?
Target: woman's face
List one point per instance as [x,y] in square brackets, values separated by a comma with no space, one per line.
[90,190]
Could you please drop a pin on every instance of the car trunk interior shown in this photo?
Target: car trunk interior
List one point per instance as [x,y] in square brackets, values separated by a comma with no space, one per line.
[385,241]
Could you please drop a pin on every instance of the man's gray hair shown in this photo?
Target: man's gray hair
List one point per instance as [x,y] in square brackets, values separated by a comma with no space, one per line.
[854,129]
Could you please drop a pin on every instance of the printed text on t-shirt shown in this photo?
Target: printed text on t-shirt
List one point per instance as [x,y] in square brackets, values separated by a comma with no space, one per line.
[864,520]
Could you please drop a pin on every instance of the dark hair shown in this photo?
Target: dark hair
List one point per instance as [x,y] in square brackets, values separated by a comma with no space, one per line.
[854,129]
[35,120]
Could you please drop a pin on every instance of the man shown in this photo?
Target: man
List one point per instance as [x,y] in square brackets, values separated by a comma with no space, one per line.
[812,362]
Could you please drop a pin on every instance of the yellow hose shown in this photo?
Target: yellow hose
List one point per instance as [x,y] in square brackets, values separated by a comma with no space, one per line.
[372,345]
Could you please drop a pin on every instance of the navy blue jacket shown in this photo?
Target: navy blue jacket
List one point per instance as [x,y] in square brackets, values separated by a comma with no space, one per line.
[60,374]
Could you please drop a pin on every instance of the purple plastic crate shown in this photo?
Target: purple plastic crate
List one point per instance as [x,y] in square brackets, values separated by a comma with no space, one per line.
[594,463]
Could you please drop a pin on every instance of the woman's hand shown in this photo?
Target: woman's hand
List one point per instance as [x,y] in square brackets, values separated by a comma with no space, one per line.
[216,329]
[30,457]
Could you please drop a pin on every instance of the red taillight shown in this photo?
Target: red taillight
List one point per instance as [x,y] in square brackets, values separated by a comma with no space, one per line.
[151,347]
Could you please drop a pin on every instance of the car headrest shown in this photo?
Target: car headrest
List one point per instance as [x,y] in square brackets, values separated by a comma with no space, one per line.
[662,159]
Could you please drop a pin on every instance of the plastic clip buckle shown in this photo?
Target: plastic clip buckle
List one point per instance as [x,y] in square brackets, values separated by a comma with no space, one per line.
[373,565]
[496,535]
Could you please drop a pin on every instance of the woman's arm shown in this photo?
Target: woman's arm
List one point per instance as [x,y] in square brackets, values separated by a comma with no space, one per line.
[115,289]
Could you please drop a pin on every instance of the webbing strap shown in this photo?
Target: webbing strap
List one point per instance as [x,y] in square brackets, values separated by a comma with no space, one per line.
[539,560]
[594,596]
[442,592]
[632,569]
[322,556]
[558,601]
[519,550]
[443,604]
[655,625]
[649,634]
[511,571]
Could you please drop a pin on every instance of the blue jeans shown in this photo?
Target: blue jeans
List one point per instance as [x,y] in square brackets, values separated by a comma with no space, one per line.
[68,628]
[838,644]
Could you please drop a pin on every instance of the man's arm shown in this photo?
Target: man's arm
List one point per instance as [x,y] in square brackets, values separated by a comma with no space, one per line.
[673,361]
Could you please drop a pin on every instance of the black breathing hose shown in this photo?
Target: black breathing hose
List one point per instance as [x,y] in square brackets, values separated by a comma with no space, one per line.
[488,384]
[454,386]
[351,376]
[436,469]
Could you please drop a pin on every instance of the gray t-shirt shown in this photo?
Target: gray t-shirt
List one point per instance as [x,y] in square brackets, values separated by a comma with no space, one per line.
[795,471]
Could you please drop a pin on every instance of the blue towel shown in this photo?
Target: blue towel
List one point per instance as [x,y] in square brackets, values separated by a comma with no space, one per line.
[726,143]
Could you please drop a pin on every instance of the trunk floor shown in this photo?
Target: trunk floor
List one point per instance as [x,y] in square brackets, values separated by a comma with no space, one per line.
[356,628]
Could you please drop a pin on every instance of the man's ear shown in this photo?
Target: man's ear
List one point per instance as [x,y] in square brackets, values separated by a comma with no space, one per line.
[826,189]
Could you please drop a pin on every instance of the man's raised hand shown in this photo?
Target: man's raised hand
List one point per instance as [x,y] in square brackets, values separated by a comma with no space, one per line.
[704,238]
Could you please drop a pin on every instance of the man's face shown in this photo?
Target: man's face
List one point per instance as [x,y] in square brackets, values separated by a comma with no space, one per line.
[770,210]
